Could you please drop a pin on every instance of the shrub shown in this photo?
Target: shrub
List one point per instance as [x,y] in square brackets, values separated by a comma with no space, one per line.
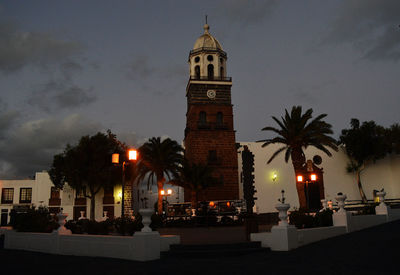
[301,219]
[324,218]
[33,220]
[128,226]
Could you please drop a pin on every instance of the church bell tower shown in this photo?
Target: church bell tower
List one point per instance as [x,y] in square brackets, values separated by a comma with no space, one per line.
[209,134]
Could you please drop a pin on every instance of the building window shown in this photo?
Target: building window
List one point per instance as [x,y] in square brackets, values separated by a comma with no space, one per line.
[7,195]
[197,59]
[210,58]
[25,195]
[54,193]
[210,69]
[221,72]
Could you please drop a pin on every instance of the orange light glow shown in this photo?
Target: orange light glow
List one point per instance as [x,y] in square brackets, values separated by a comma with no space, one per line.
[212,203]
[115,158]
[228,204]
[299,178]
[162,192]
[132,155]
[313,177]
[169,191]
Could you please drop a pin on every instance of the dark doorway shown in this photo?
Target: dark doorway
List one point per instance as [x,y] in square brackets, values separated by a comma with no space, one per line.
[313,195]
[4,217]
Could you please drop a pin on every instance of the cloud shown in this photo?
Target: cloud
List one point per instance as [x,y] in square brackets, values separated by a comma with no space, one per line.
[32,145]
[56,95]
[140,68]
[19,48]
[69,68]
[142,71]
[248,12]
[7,120]
[371,26]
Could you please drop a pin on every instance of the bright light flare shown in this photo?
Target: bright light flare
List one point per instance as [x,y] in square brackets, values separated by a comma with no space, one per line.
[313,177]
[115,158]
[300,178]
[132,154]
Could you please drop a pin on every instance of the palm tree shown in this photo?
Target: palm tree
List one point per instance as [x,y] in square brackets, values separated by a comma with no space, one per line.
[296,132]
[196,178]
[159,159]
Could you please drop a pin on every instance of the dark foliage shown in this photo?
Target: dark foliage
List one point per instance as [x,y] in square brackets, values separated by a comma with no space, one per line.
[33,220]
[302,219]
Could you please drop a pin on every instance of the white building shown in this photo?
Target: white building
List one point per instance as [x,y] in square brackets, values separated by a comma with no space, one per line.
[385,173]
[22,194]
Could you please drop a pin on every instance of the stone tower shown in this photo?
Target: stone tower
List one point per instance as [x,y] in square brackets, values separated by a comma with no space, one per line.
[209,133]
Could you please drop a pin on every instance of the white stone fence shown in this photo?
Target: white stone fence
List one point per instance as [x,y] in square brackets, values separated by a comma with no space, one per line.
[142,246]
[285,237]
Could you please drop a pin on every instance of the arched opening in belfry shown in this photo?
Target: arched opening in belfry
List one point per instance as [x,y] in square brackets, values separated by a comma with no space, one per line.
[210,70]
[197,71]
[221,72]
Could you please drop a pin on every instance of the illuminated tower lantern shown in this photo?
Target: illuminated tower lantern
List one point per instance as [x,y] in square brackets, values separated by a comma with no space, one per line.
[209,133]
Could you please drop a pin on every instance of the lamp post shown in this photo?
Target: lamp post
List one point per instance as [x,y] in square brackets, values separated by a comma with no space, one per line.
[132,156]
[307,179]
[165,195]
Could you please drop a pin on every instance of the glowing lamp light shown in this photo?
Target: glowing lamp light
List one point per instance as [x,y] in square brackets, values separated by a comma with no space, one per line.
[299,178]
[313,177]
[162,192]
[119,194]
[274,177]
[212,203]
[169,191]
[228,204]
[115,158]
[132,154]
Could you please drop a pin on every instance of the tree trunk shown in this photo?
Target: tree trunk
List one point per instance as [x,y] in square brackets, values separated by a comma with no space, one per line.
[360,188]
[160,186]
[299,161]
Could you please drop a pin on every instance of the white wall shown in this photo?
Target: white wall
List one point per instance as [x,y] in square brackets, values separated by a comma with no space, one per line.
[384,173]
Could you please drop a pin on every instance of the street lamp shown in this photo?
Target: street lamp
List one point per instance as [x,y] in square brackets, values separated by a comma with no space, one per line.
[307,180]
[132,156]
[165,194]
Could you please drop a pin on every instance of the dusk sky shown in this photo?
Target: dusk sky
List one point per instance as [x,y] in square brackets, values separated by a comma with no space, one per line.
[73,68]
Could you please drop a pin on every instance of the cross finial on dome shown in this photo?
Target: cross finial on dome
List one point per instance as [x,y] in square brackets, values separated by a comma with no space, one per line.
[206,26]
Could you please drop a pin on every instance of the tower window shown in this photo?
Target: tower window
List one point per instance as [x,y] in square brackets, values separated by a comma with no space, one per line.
[221,72]
[210,58]
[202,118]
[197,59]
[210,70]
[219,119]
[197,71]
[212,155]
[221,60]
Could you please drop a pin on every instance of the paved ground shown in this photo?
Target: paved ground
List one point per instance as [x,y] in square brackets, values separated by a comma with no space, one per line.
[371,251]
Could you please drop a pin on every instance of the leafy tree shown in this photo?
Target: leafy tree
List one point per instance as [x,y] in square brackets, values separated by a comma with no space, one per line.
[196,178]
[363,144]
[392,135]
[296,132]
[160,159]
[88,166]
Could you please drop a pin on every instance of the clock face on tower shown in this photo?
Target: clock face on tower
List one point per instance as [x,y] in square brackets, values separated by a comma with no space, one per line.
[211,94]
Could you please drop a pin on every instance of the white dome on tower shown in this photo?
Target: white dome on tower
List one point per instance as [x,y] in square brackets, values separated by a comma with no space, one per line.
[207,40]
